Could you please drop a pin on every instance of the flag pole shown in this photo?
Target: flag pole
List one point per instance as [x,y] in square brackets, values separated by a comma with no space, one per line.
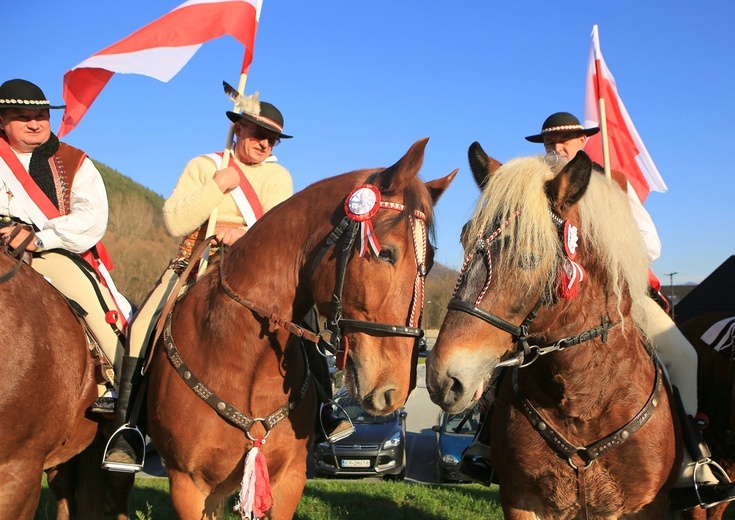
[603,120]
[212,222]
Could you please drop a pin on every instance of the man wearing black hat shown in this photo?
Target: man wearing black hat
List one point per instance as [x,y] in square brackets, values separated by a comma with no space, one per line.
[57,190]
[249,186]
[563,137]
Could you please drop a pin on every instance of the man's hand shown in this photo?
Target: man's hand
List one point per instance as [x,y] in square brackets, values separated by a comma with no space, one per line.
[228,236]
[19,238]
[227,179]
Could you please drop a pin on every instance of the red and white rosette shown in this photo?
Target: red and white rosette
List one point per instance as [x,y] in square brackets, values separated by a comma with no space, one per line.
[572,274]
[361,205]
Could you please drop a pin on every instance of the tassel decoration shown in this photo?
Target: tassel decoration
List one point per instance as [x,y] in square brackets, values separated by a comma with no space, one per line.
[255,490]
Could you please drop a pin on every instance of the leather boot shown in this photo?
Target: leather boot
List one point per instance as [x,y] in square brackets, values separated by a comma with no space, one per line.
[126,448]
[475,463]
[698,485]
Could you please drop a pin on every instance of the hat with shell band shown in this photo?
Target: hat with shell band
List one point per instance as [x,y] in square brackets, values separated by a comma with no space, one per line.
[19,93]
[558,123]
[260,113]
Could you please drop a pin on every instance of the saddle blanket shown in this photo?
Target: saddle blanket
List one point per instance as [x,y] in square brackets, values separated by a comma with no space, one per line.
[720,336]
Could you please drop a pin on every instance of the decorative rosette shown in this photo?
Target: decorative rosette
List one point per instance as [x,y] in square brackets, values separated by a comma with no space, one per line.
[572,274]
[361,205]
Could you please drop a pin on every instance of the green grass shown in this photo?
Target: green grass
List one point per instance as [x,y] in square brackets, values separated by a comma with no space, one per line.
[336,500]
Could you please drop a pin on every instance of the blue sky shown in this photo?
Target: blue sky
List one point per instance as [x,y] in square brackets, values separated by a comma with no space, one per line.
[360,81]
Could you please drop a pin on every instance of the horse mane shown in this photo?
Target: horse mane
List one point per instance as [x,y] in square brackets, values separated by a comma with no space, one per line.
[607,230]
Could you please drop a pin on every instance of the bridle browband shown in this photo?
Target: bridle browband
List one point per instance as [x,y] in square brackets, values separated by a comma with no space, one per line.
[519,333]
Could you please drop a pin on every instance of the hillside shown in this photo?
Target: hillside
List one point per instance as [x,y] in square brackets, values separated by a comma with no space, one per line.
[141,247]
[136,237]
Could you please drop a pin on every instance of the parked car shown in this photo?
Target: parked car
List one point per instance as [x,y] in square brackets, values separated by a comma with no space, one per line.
[423,348]
[454,433]
[376,448]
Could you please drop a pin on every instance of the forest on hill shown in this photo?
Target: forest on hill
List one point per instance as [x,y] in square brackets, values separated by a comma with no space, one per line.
[141,247]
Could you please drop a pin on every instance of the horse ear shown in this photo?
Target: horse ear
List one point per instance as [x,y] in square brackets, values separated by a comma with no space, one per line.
[569,185]
[439,186]
[482,165]
[397,177]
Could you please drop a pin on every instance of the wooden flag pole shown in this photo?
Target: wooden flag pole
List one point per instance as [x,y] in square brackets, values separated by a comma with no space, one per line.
[605,146]
[212,222]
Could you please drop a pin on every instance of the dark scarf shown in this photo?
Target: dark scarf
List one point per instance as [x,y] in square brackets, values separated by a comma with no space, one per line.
[40,169]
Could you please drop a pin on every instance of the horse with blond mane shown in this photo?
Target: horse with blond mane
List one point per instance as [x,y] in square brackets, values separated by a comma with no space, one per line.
[554,271]
[229,378]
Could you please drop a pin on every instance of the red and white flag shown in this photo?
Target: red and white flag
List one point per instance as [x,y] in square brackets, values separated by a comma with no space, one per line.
[627,151]
[160,49]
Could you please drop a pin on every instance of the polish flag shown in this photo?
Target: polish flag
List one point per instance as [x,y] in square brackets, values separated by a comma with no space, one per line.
[160,49]
[628,154]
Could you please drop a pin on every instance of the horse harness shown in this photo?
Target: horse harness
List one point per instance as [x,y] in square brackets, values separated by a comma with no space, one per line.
[578,457]
[333,335]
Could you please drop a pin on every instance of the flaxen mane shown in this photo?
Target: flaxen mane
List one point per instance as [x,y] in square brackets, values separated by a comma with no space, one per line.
[607,229]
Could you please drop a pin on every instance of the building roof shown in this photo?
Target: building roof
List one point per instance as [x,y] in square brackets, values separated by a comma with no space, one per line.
[716,293]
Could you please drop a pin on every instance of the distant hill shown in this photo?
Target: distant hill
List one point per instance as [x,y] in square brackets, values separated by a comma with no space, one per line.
[141,247]
[136,236]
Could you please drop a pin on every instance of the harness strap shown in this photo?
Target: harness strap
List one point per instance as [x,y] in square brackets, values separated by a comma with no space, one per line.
[589,453]
[219,405]
[18,252]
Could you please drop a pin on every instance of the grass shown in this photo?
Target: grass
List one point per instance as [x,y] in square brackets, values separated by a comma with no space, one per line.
[336,500]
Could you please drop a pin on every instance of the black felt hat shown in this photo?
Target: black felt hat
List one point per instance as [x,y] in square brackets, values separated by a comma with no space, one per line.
[268,117]
[561,122]
[19,93]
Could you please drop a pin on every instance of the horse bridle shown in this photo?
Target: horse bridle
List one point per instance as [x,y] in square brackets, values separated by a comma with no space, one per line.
[519,333]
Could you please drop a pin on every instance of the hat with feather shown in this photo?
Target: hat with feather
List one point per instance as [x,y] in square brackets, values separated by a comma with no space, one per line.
[251,109]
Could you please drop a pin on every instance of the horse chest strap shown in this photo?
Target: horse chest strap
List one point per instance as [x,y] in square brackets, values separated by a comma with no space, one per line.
[219,405]
[589,453]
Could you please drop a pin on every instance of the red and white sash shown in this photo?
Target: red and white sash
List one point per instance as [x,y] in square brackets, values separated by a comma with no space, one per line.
[40,209]
[244,195]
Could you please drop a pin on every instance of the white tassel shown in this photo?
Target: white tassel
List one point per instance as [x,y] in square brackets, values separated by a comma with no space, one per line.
[246,500]
[243,104]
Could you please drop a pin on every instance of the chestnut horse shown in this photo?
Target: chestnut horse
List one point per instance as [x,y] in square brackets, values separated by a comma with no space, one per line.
[716,386]
[554,266]
[232,331]
[47,383]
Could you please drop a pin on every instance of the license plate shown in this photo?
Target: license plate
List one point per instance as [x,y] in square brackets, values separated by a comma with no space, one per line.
[359,463]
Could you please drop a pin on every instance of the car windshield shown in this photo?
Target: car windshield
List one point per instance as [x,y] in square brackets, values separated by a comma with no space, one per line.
[456,423]
[360,416]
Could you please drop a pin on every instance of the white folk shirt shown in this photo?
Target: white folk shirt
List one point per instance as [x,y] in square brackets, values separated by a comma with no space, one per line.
[86,222]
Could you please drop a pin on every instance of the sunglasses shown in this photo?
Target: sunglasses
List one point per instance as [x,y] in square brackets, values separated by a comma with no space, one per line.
[260,134]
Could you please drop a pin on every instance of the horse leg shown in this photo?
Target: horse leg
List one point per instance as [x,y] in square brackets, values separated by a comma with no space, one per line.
[189,500]
[62,481]
[20,489]
[287,488]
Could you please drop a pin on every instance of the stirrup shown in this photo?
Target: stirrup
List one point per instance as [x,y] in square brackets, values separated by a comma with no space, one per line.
[712,464]
[336,435]
[123,467]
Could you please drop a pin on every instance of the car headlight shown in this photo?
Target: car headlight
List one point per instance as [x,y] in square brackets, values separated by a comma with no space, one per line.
[450,459]
[393,441]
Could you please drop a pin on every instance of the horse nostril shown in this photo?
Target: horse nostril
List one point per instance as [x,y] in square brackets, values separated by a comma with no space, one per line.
[457,387]
[388,397]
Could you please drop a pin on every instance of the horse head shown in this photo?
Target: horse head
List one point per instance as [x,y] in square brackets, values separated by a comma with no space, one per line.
[371,286]
[538,252]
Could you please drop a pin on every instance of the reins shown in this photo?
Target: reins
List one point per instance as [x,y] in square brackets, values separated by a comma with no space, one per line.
[17,253]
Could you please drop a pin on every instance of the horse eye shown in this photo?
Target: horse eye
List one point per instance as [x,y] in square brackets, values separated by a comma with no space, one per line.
[386,254]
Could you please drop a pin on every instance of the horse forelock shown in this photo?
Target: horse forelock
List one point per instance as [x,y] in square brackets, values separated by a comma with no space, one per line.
[606,229]
[518,185]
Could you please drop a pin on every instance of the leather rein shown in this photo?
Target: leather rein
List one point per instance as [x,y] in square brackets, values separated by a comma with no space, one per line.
[579,458]
[19,252]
